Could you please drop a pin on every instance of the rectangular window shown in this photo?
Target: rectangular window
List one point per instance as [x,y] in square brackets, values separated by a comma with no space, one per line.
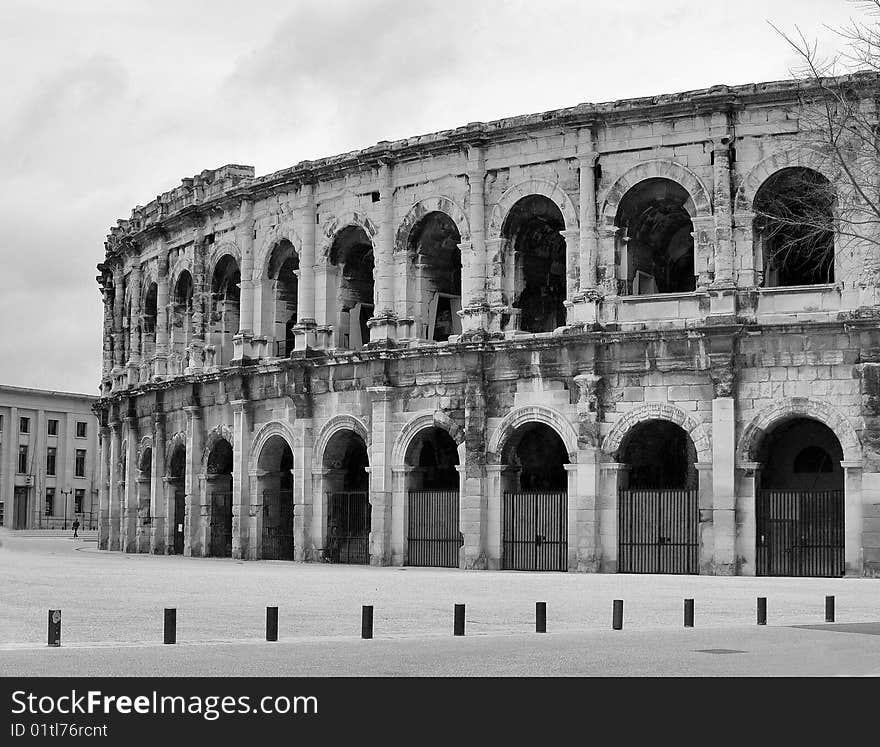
[24,425]
[80,467]
[50,460]
[52,426]
[50,501]
[80,429]
[79,496]
[22,459]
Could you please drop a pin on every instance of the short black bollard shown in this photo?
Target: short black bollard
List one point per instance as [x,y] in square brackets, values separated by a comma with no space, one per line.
[829,609]
[54,627]
[271,623]
[617,621]
[458,626]
[762,610]
[689,613]
[540,617]
[170,625]
[367,621]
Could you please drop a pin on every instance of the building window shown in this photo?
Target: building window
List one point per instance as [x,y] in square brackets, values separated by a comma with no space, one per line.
[50,460]
[24,425]
[50,501]
[80,429]
[52,426]
[80,468]
[22,459]
[79,496]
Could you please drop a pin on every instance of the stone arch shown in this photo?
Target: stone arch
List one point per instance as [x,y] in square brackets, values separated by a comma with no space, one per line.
[178,440]
[331,428]
[533,414]
[438,204]
[218,433]
[149,275]
[659,411]
[145,443]
[333,225]
[699,206]
[418,424]
[514,194]
[793,407]
[273,237]
[224,248]
[267,431]
[765,168]
[183,264]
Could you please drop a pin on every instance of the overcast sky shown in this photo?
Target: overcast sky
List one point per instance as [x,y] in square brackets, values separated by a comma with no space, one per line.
[106,103]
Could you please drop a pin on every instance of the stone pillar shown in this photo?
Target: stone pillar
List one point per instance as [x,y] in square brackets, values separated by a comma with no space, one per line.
[585,298]
[704,251]
[399,513]
[723,482]
[130,505]
[319,508]
[134,323]
[380,474]
[704,498]
[474,302]
[853,514]
[240,483]
[241,341]
[104,490]
[118,306]
[192,486]
[108,342]
[169,487]
[304,499]
[614,478]
[583,511]
[746,518]
[493,529]
[160,368]
[196,352]
[158,488]
[382,325]
[255,515]
[306,322]
[722,295]
[114,505]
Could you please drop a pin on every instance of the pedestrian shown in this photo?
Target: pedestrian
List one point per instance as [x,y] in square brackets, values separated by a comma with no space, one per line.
[75,526]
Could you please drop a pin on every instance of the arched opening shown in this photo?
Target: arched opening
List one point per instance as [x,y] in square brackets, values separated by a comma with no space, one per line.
[535,275]
[351,256]
[275,483]
[534,484]
[800,501]
[144,489]
[218,481]
[181,321]
[433,535]
[794,228]
[348,506]
[283,272]
[225,300]
[655,245]
[149,315]
[437,276]
[658,501]
[176,484]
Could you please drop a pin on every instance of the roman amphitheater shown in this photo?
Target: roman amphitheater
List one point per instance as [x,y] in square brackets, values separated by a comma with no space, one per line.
[558,341]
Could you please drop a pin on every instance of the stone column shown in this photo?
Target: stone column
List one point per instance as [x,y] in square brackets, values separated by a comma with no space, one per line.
[399,513]
[192,486]
[130,505]
[240,483]
[572,264]
[196,352]
[853,518]
[585,299]
[380,474]
[114,505]
[241,341]
[704,498]
[134,323]
[474,302]
[722,293]
[169,487]
[614,478]
[304,499]
[306,323]
[255,515]
[382,325]
[723,481]
[493,530]
[160,368]
[158,492]
[107,347]
[104,490]
[746,518]
[118,306]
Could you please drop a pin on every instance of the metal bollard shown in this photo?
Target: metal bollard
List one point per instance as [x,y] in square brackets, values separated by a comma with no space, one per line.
[762,610]
[540,617]
[458,626]
[829,609]
[54,627]
[617,621]
[689,613]
[367,621]
[170,625]
[271,623]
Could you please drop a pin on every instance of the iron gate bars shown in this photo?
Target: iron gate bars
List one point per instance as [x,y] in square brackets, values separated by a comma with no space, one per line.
[433,537]
[535,531]
[348,528]
[658,531]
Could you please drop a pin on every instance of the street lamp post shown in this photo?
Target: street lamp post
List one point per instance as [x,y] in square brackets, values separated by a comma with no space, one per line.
[65,493]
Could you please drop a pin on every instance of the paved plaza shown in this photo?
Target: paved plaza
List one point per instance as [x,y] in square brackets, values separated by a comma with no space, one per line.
[112,607]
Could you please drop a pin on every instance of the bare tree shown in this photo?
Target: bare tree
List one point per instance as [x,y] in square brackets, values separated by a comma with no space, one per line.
[802,217]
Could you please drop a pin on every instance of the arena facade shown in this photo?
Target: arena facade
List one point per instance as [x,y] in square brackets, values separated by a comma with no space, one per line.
[555,342]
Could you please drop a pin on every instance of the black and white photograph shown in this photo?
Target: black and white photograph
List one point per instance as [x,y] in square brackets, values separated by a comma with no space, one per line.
[444,361]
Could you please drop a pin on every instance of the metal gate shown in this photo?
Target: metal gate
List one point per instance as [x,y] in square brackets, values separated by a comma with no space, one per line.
[348,528]
[433,538]
[800,533]
[277,525]
[658,531]
[179,519]
[221,525]
[535,531]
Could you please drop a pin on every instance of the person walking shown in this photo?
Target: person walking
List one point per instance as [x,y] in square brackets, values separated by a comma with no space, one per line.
[75,526]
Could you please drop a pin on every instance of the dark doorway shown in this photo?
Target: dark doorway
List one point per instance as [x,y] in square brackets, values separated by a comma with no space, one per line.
[176,471]
[219,486]
[20,508]
[276,484]
[348,506]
